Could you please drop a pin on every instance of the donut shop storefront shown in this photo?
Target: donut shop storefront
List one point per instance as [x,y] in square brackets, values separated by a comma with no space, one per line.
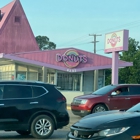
[70,69]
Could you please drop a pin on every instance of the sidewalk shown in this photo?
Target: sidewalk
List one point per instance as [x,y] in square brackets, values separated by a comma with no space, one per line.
[68,107]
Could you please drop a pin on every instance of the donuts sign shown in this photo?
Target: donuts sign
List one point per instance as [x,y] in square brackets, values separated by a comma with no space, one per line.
[71,58]
[116,41]
[113,40]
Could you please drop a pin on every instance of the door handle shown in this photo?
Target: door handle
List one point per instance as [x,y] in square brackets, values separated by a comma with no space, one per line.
[1,104]
[127,98]
[33,102]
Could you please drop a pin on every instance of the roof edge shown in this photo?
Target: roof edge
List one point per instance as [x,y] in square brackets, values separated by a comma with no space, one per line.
[16,58]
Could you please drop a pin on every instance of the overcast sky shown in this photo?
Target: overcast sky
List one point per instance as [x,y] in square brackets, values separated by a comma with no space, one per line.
[68,23]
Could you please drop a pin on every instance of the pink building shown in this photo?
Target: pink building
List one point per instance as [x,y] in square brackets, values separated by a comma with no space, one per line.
[20,58]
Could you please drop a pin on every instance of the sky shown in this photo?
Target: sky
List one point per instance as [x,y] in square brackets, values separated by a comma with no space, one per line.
[69,23]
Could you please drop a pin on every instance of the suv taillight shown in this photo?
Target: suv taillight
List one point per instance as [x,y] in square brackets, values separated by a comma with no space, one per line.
[62,99]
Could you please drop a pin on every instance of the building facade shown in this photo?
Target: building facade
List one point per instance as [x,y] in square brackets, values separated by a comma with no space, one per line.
[79,81]
[71,69]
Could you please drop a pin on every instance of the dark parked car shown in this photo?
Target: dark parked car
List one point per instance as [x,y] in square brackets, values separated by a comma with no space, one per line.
[32,107]
[111,97]
[108,125]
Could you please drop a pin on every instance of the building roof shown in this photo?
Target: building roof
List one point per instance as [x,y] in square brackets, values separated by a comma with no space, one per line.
[15,31]
[5,11]
[18,43]
[48,59]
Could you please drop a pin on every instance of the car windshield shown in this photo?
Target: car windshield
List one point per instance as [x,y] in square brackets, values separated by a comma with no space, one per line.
[135,108]
[104,90]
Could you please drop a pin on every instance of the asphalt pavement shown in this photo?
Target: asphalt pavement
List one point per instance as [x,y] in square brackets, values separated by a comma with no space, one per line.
[59,134]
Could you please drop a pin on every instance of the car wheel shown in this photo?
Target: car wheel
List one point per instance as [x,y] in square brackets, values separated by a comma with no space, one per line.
[42,127]
[22,132]
[99,108]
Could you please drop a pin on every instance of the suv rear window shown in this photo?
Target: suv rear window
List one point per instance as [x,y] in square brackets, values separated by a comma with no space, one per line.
[37,91]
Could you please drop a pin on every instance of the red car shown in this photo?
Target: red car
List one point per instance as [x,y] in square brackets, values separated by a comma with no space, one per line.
[107,98]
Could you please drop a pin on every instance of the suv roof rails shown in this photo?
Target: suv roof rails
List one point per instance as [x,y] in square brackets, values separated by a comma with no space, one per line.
[21,81]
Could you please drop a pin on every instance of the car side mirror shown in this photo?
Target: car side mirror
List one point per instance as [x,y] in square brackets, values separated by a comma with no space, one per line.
[113,93]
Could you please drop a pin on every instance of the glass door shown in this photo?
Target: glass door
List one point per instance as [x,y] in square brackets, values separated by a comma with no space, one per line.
[68,81]
[50,78]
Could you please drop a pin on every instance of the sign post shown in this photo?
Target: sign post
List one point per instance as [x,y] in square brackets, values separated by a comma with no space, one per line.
[116,42]
[115,67]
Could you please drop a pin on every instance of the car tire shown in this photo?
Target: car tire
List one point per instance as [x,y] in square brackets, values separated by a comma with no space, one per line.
[42,127]
[22,132]
[99,108]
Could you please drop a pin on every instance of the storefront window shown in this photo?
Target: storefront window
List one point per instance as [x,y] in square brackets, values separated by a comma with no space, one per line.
[32,76]
[7,75]
[100,81]
[21,76]
[68,81]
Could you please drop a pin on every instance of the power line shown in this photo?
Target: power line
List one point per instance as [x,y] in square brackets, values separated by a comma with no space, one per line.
[74,40]
[120,26]
[86,37]
[79,44]
[99,50]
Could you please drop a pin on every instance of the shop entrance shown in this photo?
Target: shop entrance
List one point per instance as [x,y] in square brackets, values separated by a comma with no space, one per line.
[50,78]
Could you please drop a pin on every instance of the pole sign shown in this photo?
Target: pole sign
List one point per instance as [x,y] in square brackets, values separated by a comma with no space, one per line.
[71,58]
[116,41]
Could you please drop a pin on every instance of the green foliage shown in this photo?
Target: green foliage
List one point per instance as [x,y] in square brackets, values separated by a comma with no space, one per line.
[51,46]
[44,43]
[131,74]
[107,76]
[128,74]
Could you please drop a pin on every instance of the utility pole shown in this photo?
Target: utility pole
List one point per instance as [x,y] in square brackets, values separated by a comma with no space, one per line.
[95,71]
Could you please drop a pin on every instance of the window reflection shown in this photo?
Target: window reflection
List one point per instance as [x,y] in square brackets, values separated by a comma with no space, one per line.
[68,81]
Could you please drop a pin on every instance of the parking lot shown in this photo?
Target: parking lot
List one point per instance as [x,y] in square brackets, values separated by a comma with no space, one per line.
[59,134]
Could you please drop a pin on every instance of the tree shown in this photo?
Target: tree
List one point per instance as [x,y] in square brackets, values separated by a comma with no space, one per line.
[51,46]
[128,74]
[107,76]
[44,43]
[131,74]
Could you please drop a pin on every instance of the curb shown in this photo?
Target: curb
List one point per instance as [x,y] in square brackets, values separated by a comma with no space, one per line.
[68,107]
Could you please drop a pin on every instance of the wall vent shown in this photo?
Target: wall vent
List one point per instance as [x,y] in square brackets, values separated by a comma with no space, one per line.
[17,19]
